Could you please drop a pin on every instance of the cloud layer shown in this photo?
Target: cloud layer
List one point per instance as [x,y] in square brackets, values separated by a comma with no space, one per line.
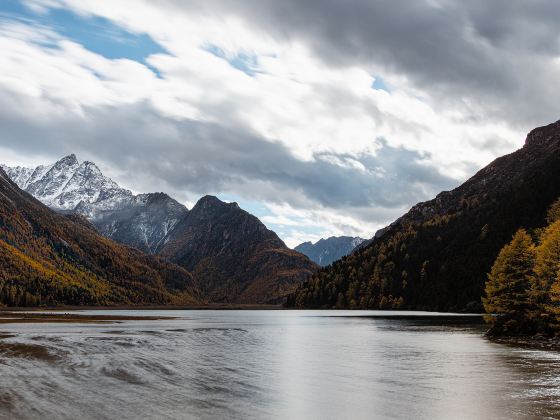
[323,117]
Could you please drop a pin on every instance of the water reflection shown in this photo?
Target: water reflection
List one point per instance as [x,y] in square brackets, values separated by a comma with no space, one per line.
[272,364]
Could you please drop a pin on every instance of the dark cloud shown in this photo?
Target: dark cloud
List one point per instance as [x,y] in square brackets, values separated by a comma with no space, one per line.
[495,58]
[491,60]
[202,157]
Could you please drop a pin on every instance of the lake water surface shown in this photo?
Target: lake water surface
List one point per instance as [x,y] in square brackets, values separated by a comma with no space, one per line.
[272,364]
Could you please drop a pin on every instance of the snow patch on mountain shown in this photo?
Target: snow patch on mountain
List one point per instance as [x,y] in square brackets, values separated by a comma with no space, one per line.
[68,183]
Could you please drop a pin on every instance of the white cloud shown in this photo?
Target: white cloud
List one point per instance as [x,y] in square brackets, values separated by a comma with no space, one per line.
[316,110]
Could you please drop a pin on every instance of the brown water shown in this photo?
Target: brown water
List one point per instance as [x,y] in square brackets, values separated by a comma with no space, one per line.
[272,364]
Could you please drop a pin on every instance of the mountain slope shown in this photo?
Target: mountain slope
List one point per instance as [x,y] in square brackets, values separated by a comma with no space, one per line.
[325,251]
[141,221]
[437,256]
[233,256]
[49,258]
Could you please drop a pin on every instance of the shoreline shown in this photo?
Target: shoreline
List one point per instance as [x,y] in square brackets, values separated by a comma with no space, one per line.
[54,315]
[37,317]
[211,306]
[220,306]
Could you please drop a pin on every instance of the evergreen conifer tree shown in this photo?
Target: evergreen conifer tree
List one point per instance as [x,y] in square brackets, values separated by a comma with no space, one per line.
[508,301]
[546,286]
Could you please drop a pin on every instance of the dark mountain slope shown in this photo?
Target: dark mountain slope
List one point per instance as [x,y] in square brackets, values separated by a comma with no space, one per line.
[437,255]
[233,256]
[49,258]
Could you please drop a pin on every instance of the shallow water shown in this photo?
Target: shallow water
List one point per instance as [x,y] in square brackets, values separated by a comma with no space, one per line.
[272,364]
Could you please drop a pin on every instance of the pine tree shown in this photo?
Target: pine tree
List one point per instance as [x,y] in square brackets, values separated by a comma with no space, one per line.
[548,260]
[546,287]
[508,301]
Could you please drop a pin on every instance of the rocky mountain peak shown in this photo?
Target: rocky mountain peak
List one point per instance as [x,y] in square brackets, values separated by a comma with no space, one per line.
[69,160]
[91,168]
[325,251]
[210,204]
[209,200]
[541,136]
[232,254]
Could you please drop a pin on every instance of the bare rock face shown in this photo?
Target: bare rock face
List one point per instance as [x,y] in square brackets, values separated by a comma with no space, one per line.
[233,256]
[437,255]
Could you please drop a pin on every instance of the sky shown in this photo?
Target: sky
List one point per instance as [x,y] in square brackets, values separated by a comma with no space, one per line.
[321,117]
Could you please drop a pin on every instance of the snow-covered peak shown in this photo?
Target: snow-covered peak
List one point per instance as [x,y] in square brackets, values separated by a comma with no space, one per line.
[70,160]
[48,187]
[88,185]
[67,183]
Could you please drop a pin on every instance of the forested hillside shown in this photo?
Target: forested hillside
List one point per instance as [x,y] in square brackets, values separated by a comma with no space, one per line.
[437,256]
[47,259]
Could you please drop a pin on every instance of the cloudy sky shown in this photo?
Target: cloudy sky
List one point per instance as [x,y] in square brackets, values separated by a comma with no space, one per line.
[322,117]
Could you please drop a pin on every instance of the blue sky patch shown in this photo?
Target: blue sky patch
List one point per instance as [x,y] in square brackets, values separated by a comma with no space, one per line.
[96,34]
[259,210]
[253,207]
[379,84]
[247,63]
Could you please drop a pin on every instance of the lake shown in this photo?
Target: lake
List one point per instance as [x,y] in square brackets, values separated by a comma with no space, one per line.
[272,364]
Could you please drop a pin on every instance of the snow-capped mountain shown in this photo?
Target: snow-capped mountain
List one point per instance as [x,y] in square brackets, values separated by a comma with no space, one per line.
[67,183]
[141,220]
[326,251]
[231,254]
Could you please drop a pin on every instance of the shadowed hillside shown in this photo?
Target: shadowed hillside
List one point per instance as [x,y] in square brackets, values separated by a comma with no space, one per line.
[233,256]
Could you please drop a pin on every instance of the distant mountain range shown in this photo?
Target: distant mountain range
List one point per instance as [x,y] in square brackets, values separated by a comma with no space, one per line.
[437,256]
[48,258]
[233,256]
[325,251]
